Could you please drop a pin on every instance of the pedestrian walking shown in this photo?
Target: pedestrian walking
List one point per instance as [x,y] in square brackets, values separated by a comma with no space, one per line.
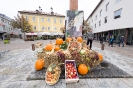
[121,40]
[64,37]
[101,39]
[90,37]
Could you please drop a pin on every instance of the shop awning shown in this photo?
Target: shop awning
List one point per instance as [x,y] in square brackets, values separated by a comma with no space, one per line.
[31,33]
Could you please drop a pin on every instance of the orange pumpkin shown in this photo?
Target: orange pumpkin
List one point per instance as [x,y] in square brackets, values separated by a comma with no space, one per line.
[68,39]
[57,48]
[39,64]
[79,39]
[49,47]
[82,69]
[42,62]
[59,41]
[100,56]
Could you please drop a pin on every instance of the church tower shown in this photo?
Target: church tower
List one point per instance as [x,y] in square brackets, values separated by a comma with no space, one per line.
[73,4]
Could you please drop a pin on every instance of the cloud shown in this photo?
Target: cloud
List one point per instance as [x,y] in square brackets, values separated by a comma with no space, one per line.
[11,7]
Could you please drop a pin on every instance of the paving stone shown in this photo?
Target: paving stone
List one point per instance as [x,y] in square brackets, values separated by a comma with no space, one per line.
[16,84]
[81,84]
[128,81]
[117,83]
[2,84]
[33,84]
[19,78]
[98,83]
[6,77]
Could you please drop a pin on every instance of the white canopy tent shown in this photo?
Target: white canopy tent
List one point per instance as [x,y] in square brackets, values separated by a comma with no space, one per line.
[31,33]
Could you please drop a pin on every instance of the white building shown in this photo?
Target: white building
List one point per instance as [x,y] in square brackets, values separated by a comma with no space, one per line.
[113,17]
[5,26]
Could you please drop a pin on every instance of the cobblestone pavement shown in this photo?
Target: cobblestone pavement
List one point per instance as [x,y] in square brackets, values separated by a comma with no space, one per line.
[126,51]
[16,64]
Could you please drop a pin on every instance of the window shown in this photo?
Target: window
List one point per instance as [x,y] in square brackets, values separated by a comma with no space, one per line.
[26,17]
[100,23]
[60,21]
[117,1]
[100,12]
[42,19]
[117,14]
[33,19]
[54,28]
[95,25]
[60,28]
[105,19]
[43,28]
[107,7]
[96,17]
[34,27]
[54,20]
[2,19]
[48,28]
[92,20]
[49,20]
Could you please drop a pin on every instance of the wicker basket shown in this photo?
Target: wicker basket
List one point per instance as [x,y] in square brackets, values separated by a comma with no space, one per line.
[59,72]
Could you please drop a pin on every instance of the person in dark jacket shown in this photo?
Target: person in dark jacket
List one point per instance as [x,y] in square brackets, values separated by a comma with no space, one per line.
[101,39]
[64,37]
[90,38]
[121,40]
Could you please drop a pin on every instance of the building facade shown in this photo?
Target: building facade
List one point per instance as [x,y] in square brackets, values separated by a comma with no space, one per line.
[5,26]
[43,22]
[113,17]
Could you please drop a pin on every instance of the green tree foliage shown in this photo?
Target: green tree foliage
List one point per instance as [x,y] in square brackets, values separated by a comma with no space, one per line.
[86,27]
[21,23]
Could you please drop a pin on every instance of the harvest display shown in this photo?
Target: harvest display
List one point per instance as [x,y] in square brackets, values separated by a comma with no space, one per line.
[75,50]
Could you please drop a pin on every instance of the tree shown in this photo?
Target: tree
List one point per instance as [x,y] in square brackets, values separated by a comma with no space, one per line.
[21,23]
[86,27]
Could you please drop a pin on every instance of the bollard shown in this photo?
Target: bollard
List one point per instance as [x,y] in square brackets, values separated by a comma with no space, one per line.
[102,46]
[33,47]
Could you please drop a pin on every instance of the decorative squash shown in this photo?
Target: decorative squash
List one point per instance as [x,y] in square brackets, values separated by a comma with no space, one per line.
[42,62]
[39,64]
[57,48]
[68,39]
[79,39]
[59,41]
[100,56]
[48,47]
[82,69]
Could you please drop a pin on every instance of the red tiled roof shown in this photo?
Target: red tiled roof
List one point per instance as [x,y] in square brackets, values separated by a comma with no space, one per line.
[41,13]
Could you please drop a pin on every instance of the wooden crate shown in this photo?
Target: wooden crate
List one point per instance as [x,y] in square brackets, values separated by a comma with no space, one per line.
[74,79]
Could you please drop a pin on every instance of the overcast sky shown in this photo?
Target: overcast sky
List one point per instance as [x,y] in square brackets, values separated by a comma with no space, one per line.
[11,7]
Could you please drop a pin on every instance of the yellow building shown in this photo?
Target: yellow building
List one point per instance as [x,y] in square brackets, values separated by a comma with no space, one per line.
[44,22]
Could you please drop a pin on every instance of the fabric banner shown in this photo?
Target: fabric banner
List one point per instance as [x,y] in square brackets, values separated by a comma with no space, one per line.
[74,22]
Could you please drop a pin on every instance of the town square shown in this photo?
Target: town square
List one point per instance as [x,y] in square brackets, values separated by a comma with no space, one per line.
[77,49]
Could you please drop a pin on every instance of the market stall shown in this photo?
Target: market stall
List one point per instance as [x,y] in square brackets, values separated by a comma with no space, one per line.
[31,36]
